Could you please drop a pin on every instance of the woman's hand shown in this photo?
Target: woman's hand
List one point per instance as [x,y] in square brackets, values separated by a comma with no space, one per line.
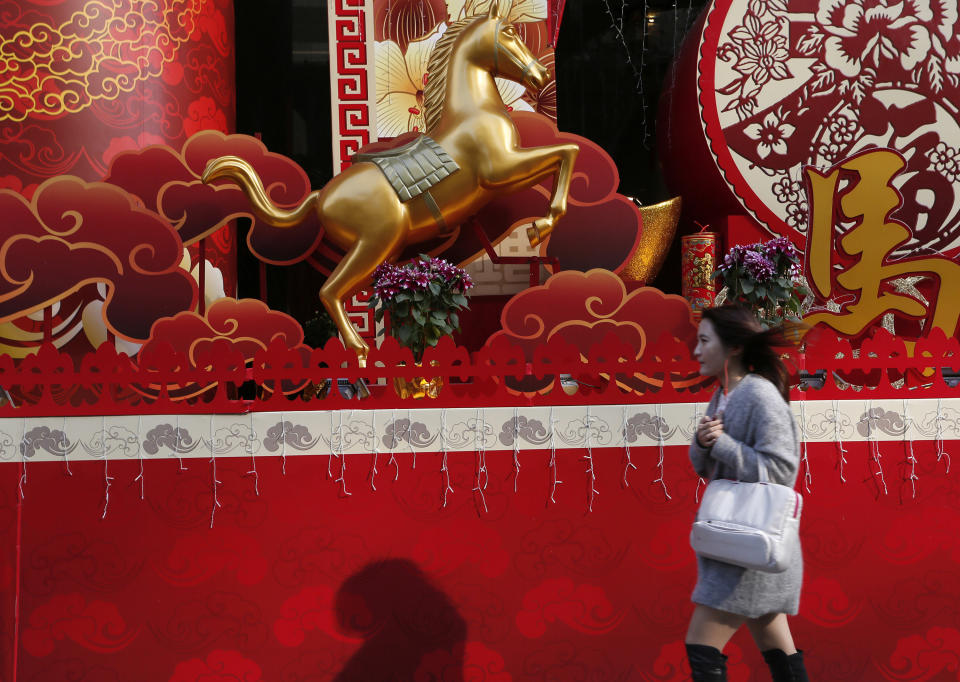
[709,430]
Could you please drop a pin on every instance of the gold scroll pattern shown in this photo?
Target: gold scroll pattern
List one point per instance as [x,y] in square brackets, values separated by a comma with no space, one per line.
[105,49]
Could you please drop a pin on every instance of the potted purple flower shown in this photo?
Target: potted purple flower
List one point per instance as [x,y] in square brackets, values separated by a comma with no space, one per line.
[766,277]
[423,298]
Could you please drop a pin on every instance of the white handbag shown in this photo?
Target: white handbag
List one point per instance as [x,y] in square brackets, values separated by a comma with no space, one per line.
[754,525]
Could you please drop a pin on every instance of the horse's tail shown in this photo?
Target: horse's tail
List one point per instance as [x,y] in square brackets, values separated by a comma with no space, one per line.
[242,173]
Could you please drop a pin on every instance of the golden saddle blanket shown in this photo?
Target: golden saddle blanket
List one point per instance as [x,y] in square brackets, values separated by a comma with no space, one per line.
[413,167]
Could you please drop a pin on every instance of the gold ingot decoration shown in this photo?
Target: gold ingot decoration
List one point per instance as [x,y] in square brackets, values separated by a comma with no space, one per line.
[360,210]
[659,228]
[418,387]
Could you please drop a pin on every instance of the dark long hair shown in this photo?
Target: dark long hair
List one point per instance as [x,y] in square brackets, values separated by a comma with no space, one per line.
[737,326]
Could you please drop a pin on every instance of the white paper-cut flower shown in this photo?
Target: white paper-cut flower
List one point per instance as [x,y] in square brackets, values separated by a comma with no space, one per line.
[764,50]
[859,31]
[771,135]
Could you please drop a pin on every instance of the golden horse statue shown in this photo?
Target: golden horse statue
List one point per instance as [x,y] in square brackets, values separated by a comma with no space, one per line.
[362,212]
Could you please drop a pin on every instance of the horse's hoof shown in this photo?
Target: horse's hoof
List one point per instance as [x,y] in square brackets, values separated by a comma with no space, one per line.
[533,235]
[539,231]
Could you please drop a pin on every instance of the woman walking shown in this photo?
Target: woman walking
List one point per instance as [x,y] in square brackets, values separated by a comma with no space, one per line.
[748,424]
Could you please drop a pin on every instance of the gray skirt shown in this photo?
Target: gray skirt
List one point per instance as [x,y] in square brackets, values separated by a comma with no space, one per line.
[747,592]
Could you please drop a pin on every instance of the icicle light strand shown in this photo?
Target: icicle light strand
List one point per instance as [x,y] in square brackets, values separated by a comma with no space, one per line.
[444,469]
[617,26]
[874,446]
[696,422]
[842,461]
[393,447]
[941,450]
[516,448]
[283,444]
[63,447]
[805,458]
[410,444]
[179,451]
[554,476]
[660,426]
[213,463]
[23,459]
[911,457]
[253,458]
[481,467]
[626,450]
[107,478]
[342,480]
[140,458]
[591,471]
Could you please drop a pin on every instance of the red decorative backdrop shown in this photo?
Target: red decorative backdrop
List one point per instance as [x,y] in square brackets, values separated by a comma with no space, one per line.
[297,582]
[85,81]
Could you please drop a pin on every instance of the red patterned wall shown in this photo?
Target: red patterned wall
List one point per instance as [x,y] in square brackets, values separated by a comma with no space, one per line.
[296,581]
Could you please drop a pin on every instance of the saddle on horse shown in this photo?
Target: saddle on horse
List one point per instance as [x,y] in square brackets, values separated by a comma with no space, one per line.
[412,164]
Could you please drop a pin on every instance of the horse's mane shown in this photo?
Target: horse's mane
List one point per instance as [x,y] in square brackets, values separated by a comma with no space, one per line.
[436,87]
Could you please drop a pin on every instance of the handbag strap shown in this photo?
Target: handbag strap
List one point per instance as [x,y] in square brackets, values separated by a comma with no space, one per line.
[762,473]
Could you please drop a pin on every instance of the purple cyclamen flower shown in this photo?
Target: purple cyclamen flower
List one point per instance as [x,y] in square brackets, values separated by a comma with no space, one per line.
[758,266]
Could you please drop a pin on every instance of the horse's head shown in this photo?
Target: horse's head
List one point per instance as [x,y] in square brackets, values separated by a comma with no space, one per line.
[509,57]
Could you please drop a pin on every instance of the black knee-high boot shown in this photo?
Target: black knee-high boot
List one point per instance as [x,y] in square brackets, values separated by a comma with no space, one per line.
[707,664]
[785,668]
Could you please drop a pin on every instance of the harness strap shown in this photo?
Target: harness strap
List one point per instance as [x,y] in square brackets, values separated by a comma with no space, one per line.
[498,48]
[435,211]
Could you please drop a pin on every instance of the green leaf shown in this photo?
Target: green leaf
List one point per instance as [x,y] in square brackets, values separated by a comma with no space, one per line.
[454,320]
[379,315]
[418,316]
[460,300]
[434,288]
[746,285]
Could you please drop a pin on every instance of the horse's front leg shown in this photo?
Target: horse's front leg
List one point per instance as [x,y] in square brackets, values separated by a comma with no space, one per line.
[525,167]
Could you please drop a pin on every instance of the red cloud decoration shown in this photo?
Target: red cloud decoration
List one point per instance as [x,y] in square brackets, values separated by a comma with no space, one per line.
[312,608]
[219,666]
[584,309]
[97,626]
[247,324]
[232,331]
[585,608]
[476,662]
[74,233]
[196,558]
[168,182]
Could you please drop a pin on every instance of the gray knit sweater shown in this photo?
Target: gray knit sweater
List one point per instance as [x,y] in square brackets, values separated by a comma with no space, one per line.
[757,423]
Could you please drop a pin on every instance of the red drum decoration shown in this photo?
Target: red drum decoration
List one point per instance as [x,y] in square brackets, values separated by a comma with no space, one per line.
[699,253]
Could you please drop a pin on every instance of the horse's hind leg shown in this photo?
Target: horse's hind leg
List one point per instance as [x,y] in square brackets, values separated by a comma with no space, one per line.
[350,275]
